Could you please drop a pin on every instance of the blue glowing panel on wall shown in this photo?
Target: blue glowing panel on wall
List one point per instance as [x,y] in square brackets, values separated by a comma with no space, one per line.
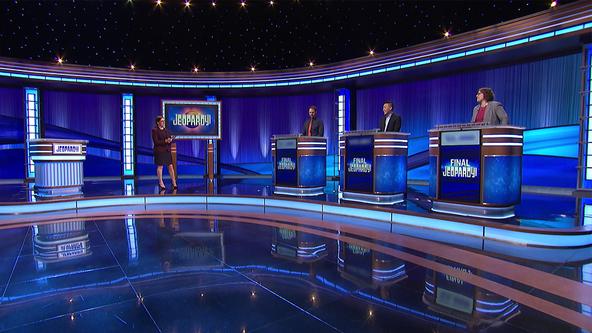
[460,173]
[358,167]
[286,173]
[311,170]
[390,174]
[501,180]
[193,119]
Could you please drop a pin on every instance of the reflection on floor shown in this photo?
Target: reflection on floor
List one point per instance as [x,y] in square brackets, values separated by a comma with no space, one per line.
[213,274]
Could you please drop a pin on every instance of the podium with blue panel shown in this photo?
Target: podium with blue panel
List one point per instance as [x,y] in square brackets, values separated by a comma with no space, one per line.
[476,170]
[373,166]
[299,164]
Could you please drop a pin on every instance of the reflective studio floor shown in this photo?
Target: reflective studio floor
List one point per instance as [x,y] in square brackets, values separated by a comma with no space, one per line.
[182,270]
[179,273]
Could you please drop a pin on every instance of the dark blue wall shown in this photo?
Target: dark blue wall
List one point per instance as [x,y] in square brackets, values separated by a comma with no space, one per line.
[537,94]
[92,117]
[12,133]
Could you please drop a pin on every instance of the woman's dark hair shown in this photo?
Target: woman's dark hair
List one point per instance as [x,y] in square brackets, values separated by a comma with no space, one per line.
[487,94]
[157,120]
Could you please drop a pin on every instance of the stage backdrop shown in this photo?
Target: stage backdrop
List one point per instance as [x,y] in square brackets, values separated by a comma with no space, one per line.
[87,116]
[537,94]
[11,135]
[247,125]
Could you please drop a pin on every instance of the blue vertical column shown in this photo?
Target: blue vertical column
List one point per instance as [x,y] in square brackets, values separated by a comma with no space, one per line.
[127,131]
[32,127]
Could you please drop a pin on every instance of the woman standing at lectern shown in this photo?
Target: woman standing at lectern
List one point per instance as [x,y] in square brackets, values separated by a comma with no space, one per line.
[162,152]
[487,110]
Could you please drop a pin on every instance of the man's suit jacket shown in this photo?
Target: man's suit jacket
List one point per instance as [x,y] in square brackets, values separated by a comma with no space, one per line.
[317,128]
[494,114]
[394,124]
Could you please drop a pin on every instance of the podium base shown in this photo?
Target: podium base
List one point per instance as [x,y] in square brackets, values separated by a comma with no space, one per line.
[58,192]
[375,199]
[299,191]
[473,211]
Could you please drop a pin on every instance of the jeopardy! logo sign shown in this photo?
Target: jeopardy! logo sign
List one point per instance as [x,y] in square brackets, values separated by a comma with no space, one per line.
[286,163]
[192,119]
[73,149]
[459,168]
[359,164]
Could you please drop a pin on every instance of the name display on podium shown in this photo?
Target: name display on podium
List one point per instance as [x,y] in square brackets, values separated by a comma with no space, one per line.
[359,163]
[286,171]
[460,166]
[193,119]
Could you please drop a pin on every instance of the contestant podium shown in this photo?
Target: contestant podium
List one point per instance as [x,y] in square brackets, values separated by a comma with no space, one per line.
[299,164]
[58,166]
[373,166]
[476,170]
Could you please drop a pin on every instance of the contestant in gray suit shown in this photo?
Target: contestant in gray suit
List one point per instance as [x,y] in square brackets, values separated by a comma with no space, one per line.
[487,110]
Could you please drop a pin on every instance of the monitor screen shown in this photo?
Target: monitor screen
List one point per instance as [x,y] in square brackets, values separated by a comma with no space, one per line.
[193,119]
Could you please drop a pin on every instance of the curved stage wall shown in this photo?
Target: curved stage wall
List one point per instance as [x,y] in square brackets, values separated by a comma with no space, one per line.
[533,64]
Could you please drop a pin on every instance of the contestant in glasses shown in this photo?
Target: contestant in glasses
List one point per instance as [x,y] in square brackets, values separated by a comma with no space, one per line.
[487,110]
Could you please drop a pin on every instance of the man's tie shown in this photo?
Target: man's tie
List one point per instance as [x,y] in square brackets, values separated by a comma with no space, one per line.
[309,126]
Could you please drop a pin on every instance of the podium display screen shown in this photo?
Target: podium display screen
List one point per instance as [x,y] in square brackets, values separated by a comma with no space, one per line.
[286,172]
[192,119]
[460,167]
[359,163]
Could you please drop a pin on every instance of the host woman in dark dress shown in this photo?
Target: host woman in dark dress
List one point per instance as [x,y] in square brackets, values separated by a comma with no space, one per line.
[162,152]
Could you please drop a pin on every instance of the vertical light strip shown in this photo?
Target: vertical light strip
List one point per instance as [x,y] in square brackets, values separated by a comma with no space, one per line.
[128,134]
[588,109]
[342,118]
[129,187]
[32,130]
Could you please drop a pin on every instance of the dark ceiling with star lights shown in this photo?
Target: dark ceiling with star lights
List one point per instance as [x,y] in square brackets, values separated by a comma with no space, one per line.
[225,35]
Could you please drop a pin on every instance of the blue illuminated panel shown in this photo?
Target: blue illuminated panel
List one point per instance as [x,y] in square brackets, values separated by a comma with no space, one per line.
[311,170]
[460,173]
[128,134]
[501,177]
[32,130]
[286,171]
[391,174]
[359,168]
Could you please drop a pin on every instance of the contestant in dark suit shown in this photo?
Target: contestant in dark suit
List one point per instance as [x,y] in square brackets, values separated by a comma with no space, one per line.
[390,122]
[487,110]
[313,126]
[162,152]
